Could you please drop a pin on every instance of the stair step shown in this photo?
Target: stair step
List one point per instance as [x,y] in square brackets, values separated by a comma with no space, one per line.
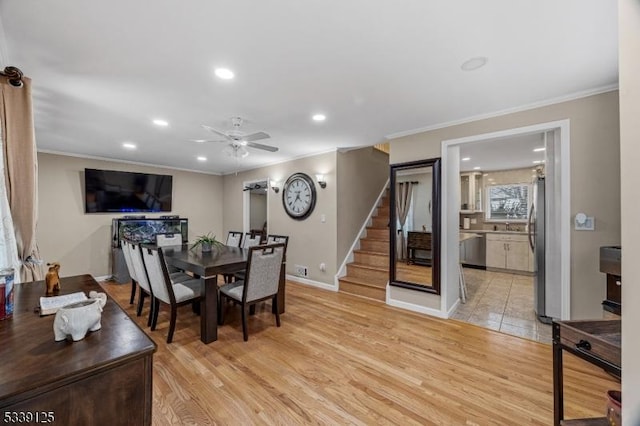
[378,233]
[374,274]
[371,258]
[378,246]
[363,288]
[380,221]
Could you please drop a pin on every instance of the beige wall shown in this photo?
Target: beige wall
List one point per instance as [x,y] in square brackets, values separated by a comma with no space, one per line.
[629,36]
[595,179]
[311,241]
[362,174]
[82,242]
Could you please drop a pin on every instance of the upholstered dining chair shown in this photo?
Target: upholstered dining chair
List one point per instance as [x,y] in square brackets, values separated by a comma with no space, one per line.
[141,277]
[251,240]
[172,239]
[126,252]
[234,239]
[174,295]
[261,282]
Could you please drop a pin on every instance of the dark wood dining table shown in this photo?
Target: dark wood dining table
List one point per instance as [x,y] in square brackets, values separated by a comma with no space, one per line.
[208,265]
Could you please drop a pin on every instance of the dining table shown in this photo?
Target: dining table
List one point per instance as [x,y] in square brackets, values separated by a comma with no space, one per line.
[207,266]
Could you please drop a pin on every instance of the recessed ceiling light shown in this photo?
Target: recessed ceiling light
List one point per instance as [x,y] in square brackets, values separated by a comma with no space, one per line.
[319,117]
[129,145]
[539,149]
[199,140]
[466,159]
[538,161]
[201,158]
[160,122]
[474,63]
[224,73]
[476,168]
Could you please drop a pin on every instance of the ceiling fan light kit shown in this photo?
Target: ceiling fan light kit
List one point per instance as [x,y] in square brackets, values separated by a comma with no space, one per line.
[237,140]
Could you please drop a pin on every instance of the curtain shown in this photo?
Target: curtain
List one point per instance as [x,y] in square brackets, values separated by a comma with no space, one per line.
[8,247]
[20,173]
[404,193]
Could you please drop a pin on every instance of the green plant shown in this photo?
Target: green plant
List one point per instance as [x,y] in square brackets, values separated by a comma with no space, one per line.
[206,239]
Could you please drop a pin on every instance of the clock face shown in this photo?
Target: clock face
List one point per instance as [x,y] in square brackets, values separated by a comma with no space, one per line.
[299,196]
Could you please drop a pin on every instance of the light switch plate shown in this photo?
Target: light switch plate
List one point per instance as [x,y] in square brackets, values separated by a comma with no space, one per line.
[588,225]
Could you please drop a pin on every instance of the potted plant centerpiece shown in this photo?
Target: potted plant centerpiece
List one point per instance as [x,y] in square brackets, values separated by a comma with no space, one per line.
[206,242]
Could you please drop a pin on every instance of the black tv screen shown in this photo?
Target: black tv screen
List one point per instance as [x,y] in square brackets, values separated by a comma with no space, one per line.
[109,191]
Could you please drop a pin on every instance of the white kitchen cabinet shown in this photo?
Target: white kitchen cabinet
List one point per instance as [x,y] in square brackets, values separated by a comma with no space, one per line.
[470,192]
[509,251]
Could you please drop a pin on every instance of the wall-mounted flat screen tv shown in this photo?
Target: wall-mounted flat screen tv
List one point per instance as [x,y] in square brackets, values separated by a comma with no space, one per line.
[109,191]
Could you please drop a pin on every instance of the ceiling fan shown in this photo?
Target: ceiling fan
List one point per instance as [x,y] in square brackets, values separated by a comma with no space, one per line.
[237,139]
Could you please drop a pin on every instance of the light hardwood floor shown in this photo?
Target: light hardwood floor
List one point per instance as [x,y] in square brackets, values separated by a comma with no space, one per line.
[341,359]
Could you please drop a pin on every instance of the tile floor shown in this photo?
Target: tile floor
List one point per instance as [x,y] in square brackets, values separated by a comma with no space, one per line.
[502,302]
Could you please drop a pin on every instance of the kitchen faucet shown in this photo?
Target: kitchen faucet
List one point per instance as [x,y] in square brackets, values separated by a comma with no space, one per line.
[507,226]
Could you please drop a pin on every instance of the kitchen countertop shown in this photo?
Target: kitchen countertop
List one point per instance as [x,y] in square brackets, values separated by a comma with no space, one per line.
[491,231]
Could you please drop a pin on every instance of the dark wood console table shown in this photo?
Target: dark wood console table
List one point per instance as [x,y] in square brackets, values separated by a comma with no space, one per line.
[597,342]
[418,241]
[106,378]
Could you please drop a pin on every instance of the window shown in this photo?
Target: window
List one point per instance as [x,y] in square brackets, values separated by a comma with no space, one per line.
[508,202]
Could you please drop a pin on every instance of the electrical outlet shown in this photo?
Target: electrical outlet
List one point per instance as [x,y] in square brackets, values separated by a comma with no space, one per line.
[301,271]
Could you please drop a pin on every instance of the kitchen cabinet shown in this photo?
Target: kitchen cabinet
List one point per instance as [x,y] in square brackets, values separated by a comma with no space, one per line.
[509,251]
[470,192]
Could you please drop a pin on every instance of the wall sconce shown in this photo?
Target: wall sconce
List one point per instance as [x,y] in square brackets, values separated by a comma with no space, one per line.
[275,185]
[321,181]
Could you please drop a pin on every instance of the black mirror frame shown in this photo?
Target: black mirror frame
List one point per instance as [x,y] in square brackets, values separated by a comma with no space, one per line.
[435,226]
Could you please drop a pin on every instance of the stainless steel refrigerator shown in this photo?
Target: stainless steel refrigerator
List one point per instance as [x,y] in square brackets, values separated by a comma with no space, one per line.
[536,226]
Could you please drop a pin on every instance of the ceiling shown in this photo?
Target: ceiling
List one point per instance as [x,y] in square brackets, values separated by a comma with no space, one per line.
[102,71]
[513,152]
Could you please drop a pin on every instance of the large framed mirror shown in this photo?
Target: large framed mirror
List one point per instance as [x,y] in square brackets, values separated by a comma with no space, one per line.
[415,225]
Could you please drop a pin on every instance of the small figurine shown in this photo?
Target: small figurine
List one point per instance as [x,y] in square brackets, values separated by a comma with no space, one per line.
[52,279]
[76,319]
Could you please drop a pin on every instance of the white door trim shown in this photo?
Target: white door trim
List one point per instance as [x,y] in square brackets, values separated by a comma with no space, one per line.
[450,240]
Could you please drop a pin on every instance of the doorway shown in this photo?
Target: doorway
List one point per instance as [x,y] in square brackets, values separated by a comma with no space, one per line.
[255,202]
[489,189]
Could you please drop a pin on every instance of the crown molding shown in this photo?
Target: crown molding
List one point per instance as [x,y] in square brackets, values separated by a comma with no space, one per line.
[526,107]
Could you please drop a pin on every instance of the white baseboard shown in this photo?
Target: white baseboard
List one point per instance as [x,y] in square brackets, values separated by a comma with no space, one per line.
[453,308]
[417,308]
[312,283]
[103,278]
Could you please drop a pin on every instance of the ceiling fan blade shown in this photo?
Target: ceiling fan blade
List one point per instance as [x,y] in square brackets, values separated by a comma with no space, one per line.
[255,136]
[217,132]
[261,146]
[207,140]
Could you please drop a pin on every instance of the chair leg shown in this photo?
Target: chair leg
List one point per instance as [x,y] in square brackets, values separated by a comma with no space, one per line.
[245,333]
[140,303]
[172,323]
[152,309]
[252,309]
[155,309]
[133,291]
[275,304]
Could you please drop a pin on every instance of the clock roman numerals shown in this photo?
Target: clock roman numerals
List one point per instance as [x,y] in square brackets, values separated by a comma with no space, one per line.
[299,196]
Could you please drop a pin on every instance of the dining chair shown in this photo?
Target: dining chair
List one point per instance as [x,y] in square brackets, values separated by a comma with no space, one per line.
[168,239]
[251,239]
[126,252]
[234,239]
[174,295]
[274,239]
[172,239]
[261,283]
[141,278]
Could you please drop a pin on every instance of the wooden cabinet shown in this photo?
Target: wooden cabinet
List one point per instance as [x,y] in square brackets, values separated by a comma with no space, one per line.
[509,251]
[103,379]
[471,192]
[419,247]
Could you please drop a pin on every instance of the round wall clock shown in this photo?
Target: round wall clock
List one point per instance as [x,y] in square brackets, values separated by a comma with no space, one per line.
[299,196]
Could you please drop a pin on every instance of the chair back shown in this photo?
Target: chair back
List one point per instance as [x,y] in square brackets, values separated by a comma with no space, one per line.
[158,274]
[263,272]
[138,265]
[234,239]
[251,240]
[275,239]
[126,252]
[169,239]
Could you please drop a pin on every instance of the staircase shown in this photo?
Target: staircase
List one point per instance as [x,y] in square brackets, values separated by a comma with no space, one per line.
[368,274]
